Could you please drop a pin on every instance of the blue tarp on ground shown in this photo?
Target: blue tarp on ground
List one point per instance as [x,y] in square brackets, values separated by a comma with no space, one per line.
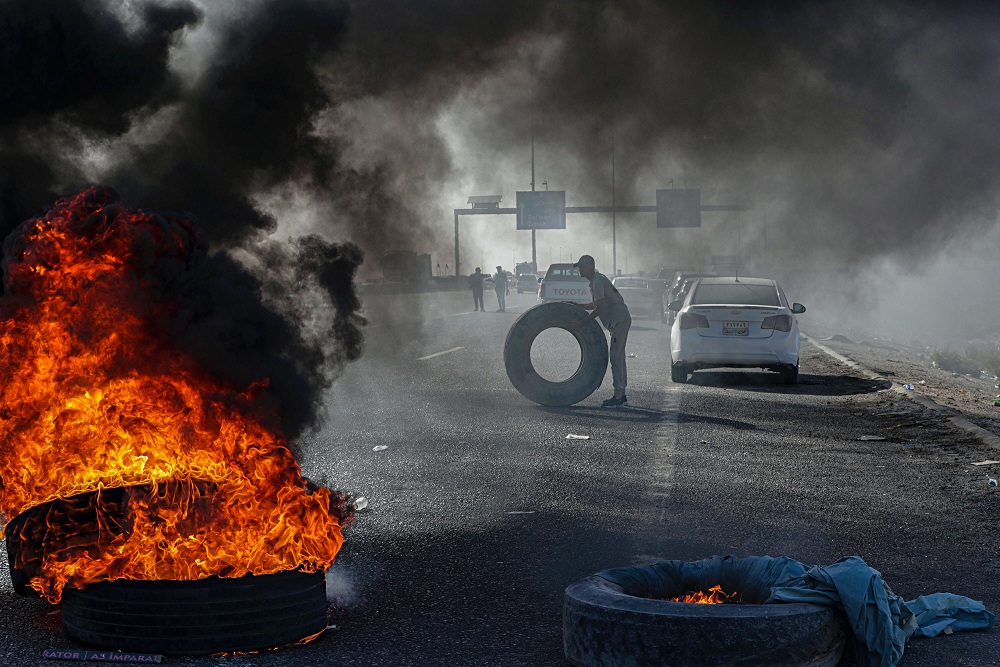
[881,621]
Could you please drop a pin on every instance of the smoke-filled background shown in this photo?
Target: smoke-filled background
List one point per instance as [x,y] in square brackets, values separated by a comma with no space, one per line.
[862,135]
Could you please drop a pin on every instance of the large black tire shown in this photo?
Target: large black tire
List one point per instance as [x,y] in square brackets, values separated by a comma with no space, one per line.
[604,626]
[212,615]
[524,377]
[790,374]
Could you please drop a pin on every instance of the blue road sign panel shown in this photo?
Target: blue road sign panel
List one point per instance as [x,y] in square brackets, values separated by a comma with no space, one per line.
[679,207]
[543,209]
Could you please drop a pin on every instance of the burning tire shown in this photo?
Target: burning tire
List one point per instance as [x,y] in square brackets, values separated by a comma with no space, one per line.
[212,615]
[524,377]
[605,625]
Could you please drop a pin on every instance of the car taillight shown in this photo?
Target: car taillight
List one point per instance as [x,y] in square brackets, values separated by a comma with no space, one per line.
[777,322]
[693,321]
[541,290]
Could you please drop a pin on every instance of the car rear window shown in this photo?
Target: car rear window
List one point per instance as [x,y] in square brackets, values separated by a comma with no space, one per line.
[630,282]
[564,272]
[736,294]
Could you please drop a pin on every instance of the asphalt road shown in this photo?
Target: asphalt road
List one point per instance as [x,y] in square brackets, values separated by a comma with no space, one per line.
[481,512]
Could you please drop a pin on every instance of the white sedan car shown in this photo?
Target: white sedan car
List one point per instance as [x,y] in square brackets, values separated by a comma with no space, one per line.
[738,323]
[641,299]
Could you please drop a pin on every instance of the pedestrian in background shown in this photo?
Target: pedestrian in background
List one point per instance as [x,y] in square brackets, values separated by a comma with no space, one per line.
[501,287]
[476,284]
[607,303]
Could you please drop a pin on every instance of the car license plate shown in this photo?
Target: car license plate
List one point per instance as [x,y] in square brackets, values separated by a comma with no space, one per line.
[735,329]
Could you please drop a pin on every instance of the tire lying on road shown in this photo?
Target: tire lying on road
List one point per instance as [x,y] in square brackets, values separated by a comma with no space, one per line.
[524,377]
[609,623]
[198,617]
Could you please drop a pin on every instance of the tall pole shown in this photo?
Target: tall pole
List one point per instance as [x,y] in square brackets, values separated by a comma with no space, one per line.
[767,245]
[457,272]
[614,247]
[534,257]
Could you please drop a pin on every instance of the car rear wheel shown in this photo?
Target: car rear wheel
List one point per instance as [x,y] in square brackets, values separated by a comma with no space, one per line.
[679,373]
[790,374]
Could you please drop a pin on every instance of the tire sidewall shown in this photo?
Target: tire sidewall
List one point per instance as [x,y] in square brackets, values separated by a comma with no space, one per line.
[517,355]
[604,626]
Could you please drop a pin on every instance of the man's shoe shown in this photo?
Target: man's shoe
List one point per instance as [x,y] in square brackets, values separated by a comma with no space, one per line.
[614,402]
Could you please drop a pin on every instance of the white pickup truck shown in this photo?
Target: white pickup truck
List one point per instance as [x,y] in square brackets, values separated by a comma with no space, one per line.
[563,282]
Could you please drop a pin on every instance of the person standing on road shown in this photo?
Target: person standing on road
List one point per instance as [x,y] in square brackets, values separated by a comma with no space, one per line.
[607,303]
[502,288]
[476,284]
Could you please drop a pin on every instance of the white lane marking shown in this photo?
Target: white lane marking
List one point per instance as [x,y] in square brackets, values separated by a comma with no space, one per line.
[438,354]
[661,466]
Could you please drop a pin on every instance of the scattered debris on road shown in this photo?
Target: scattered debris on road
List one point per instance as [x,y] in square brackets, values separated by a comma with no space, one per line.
[985,463]
[574,436]
[379,448]
[908,387]
[867,438]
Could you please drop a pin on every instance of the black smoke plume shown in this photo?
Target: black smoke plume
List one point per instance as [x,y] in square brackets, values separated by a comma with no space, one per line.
[191,301]
[867,128]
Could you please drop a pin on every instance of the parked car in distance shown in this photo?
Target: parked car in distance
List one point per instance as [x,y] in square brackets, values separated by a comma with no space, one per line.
[667,274]
[730,322]
[563,282]
[527,282]
[658,285]
[641,299]
[678,289]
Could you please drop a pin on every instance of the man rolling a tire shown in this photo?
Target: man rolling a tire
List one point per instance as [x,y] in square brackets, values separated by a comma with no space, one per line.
[608,305]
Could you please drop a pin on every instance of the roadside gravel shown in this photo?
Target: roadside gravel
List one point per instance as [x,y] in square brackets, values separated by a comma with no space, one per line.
[908,363]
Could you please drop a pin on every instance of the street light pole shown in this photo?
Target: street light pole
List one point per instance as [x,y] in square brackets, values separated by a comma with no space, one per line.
[534,256]
[614,248]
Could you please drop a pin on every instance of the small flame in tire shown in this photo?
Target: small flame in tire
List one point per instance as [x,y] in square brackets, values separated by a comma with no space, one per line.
[715,595]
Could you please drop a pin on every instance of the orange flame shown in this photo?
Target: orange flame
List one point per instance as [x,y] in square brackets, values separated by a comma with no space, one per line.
[715,595]
[91,399]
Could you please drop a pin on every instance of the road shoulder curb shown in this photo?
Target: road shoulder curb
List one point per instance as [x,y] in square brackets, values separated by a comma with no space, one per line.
[959,420]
